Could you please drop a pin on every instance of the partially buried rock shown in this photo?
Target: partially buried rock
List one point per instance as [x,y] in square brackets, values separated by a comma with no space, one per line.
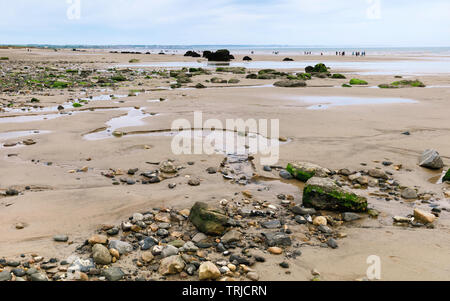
[304,171]
[60,238]
[231,236]
[409,194]
[290,83]
[208,220]
[171,265]
[325,194]
[431,159]
[113,274]
[424,217]
[208,271]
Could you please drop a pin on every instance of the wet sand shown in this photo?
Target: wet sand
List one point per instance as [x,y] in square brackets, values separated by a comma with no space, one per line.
[76,204]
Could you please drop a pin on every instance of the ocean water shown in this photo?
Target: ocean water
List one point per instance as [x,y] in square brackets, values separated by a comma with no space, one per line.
[263,49]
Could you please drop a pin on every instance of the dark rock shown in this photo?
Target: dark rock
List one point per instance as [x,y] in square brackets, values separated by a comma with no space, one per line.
[221,55]
[303,211]
[272,224]
[350,216]
[286,175]
[332,243]
[284,265]
[148,243]
[277,239]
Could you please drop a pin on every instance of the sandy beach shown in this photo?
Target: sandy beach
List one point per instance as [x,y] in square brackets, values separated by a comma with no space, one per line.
[59,174]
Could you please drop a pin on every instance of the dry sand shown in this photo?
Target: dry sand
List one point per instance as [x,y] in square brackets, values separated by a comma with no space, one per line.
[76,204]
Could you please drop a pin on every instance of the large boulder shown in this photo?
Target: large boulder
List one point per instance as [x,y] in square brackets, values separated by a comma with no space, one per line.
[192,54]
[221,55]
[325,194]
[304,171]
[208,220]
[290,83]
[431,159]
[447,176]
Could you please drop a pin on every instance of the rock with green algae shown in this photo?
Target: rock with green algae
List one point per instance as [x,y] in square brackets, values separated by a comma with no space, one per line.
[208,220]
[355,81]
[325,194]
[447,176]
[304,171]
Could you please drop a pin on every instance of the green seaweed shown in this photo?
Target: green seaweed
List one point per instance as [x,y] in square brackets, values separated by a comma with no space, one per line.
[355,81]
[335,200]
[299,174]
[447,176]
[338,76]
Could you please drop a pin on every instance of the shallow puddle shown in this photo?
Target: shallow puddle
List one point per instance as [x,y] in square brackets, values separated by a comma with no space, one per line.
[19,134]
[326,102]
[133,118]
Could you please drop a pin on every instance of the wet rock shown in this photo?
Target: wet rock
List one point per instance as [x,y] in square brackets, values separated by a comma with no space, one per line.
[121,246]
[113,274]
[284,265]
[286,175]
[12,192]
[101,254]
[208,220]
[409,194]
[325,194]
[171,265]
[424,217]
[304,171]
[301,220]
[350,216]
[431,159]
[208,271]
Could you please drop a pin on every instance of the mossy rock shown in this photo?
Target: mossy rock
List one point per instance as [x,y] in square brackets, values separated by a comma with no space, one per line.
[304,171]
[290,84]
[447,176]
[207,220]
[217,80]
[304,76]
[77,105]
[60,85]
[233,81]
[346,86]
[325,194]
[338,76]
[4,58]
[134,61]
[318,68]
[355,81]
[387,86]
[200,86]
[252,76]
[34,100]
[119,78]
[409,83]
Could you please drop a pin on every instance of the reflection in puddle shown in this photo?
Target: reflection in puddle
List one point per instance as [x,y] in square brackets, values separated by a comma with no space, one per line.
[326,102]
[415,67]
[210,141]
[133,118]
[437,179]
[20,134]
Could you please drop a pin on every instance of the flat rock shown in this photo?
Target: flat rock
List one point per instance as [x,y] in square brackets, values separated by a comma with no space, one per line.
[424,217]
[121,246]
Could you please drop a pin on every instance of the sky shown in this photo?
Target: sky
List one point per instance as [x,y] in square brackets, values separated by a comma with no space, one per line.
[388,23]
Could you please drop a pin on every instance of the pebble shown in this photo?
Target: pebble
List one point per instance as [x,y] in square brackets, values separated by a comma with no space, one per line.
[275,250]
[320,220]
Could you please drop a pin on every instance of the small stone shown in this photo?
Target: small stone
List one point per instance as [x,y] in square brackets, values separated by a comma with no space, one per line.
[409,194]
[194,182]
[231,236]
[113,274]
[38,277]
[272,224]
[253,276]
[208,271]
[320,220]
[275,250]
[60,238]
[332,243]
[171,265]
[169,251]
[98,239]
[121,246]
[114,253]
[350,216]
[284,265]
[101,254]
[147,257]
